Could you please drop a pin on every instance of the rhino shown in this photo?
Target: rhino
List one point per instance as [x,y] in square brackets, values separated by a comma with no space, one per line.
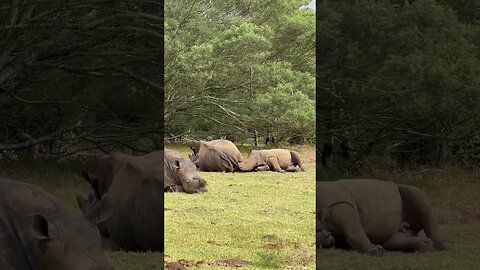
[279,160]
[38,233]
[185,179]
[181,174]
[216,156]
[134,206]
[370,215]
[108,165]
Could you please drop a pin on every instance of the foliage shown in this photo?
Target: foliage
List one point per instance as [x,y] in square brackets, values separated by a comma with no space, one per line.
[226,60]
[397,78]
[80,75]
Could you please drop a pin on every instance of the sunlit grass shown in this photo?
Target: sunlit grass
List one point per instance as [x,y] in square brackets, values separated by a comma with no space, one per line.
[266,218]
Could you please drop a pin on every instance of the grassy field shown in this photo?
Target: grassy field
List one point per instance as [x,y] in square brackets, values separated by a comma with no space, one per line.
[265,218]
[455,197]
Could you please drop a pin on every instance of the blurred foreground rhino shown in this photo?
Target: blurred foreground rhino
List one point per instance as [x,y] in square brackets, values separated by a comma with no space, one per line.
[129,190]
[370,215]
[38,233]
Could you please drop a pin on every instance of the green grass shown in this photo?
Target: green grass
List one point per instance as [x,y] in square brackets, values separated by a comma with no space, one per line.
[265,218]
[463,255]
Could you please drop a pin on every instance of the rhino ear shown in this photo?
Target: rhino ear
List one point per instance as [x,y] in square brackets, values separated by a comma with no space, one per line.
[101,212]
[42,229]
[178,164]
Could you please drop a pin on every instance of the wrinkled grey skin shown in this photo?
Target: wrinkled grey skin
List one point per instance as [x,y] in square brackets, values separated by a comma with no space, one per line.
[38,233]
[279,160]
[102,176]
[371,215]
[216,156]
[134,207]
[181,174]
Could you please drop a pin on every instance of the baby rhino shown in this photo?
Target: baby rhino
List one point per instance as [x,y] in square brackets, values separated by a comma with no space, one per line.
[370,215]
[279,160]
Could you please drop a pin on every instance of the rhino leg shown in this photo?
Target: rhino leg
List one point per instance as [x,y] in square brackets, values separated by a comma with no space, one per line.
[293,168]
[178,188]
[419,214]
[273,163]
[408,241]
[346,219]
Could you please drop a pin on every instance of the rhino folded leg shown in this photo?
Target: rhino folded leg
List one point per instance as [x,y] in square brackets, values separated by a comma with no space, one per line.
[408,241]
[344,217]
[293,168]
[263,168]
[273,161]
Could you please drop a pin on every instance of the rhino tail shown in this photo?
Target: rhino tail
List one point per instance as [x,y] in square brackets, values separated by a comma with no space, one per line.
[296,160]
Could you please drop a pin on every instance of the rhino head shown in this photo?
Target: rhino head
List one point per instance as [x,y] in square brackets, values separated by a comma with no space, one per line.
[67,243]
[253,161]
[186,172]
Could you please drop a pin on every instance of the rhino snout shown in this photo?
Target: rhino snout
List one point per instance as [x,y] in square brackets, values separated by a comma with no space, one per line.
[202,182]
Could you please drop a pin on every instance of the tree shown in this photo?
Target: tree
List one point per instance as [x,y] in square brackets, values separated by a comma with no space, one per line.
[80,74]
[396,78]
[225,60]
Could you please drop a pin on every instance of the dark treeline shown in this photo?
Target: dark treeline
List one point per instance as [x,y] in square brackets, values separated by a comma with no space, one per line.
[80,76]
[398,82]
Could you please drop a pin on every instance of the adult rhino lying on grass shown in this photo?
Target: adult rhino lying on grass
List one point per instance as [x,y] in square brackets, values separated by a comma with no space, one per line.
[216,156]
[184,179]
[135,197]
[279,160]
[181,174]
[370,216]
[38,233]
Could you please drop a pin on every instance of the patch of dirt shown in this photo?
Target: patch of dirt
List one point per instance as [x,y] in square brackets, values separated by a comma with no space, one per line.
[175,266]
[231,263]
[184,264]
[216,243]
[279,245]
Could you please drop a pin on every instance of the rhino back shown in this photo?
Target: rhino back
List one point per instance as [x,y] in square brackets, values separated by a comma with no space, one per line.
[379,205]
[377,202]
[214,159]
